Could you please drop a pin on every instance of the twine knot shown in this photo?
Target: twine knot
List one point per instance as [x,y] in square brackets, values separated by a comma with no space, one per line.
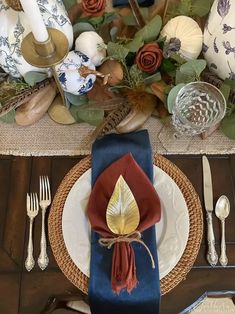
[134,236]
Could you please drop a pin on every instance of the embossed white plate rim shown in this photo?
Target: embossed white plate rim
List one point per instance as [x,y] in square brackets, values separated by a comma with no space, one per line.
[172,230]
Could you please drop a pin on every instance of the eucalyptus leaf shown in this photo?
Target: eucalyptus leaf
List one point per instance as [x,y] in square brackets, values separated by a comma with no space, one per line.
[230,83]
[172,96]
[33,77]
[109,17]
[129,20]
[228,126]
[225,90]
[81,27]
[117,51]
[76,100]
[93,116]
[153,78]
[200,7]
[183,77]
[178,58]
[135,44]
[8,117]
[151,30]
[193,67]
[136,75]
[97,20]
[113,33]
[167,66]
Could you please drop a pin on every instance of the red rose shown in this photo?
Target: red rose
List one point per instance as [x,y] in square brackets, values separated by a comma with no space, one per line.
[149,58]
[93,7]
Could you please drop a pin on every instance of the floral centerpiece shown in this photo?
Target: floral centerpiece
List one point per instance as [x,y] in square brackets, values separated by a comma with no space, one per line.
[130,63]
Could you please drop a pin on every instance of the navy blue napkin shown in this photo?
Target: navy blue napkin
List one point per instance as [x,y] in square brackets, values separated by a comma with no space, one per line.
[142,3]
[145,298]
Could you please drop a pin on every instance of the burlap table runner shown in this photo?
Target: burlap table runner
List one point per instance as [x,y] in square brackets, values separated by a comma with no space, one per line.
[47,138]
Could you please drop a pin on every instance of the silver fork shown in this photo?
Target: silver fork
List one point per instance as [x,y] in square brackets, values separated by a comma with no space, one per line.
[32,211]
[44,202]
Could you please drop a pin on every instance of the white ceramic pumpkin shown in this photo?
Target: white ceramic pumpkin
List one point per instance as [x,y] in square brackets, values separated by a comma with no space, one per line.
[219,39]
[187,35]
[68,73]
[14,27]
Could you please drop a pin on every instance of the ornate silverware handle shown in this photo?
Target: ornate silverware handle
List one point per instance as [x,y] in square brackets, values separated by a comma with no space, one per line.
[29,262]
[223,257]
[43,259]
[212,256]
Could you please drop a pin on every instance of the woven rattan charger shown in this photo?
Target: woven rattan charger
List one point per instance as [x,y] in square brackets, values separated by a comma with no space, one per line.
[176,275]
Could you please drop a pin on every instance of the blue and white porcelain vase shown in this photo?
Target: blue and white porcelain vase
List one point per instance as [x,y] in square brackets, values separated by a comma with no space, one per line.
[219,39]
[14,27]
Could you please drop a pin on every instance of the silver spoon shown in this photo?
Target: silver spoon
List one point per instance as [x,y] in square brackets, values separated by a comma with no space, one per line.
[222,209]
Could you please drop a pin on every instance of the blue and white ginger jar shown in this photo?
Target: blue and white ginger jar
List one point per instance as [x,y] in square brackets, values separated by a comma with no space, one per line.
[219,39]
[69,76]
[14,27]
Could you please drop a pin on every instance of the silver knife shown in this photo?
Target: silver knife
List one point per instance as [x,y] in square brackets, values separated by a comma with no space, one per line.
[212,256]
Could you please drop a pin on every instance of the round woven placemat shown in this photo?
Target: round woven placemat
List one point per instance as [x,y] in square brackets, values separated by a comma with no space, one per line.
[177,274]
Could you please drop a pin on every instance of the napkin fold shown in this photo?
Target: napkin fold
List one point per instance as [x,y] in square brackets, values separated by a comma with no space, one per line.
[146,197]
[145,298]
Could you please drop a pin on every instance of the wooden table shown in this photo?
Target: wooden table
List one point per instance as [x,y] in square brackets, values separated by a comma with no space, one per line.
[27,293]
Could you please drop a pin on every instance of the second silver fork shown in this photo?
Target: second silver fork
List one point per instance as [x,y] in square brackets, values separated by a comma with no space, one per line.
[44,202]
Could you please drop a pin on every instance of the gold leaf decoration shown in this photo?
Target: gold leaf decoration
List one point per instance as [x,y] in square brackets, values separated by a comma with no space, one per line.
[122,215]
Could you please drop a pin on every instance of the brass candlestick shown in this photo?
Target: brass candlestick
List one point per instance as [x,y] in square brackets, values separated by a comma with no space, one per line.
[48,54]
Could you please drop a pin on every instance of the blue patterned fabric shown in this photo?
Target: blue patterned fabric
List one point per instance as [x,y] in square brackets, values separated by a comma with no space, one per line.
[145,298]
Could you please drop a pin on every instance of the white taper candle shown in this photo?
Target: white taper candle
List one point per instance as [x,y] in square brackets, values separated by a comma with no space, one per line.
[35,19]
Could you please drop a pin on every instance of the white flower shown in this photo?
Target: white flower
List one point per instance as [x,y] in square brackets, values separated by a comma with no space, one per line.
[92,45]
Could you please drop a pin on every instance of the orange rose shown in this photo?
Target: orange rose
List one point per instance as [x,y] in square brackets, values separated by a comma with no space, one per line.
[149,58]
[93,7]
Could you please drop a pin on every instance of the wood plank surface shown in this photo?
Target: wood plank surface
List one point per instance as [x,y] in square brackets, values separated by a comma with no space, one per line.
[28,293]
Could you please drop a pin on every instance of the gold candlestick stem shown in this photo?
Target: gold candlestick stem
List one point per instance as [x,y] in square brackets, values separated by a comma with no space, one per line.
[47,55]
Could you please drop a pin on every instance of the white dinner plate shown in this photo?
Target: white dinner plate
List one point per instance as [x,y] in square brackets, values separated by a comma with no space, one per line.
[172,230]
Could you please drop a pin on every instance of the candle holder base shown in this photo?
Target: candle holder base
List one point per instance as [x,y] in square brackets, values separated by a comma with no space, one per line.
[47,54]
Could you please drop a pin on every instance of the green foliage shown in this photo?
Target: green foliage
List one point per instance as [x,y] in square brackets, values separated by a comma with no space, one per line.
[167,66]
[176,57]
[93,116]
[200,7]
[130,20]
[228,126]
[152,78]
[33,77]
[225,90]
[135,44]
[172,96]
[136,76]
[151,30]
[9,117]
[117,51]
[81,27]
[193,67]
[76,100]
[98,21]
[190,71]
[191,8]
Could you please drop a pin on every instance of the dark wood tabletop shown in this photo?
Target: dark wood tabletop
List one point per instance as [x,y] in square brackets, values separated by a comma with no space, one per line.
[27,293]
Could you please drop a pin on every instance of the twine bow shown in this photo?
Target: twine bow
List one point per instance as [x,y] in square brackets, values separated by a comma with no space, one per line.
[134,236]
